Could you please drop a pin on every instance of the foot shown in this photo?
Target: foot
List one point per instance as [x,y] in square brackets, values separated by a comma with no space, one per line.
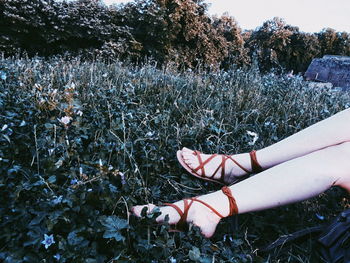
[197,213]
[233,169]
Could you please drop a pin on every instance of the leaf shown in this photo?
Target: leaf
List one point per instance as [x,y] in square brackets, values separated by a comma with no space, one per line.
[6,137]
[37,220]
[34,238]
[48,126]
[74,239]
[113,225]
[194,254]
[52,179]
[113,234]
[112,188]
[205,260]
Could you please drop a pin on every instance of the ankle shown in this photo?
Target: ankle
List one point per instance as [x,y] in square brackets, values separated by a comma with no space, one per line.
[244,160]
[219,201]
[255,164]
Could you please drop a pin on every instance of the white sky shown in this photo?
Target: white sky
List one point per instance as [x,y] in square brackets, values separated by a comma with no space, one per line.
[308,15]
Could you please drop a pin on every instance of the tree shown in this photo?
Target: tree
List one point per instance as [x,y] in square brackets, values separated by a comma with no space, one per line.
[270,43]
[227,27]
[303,48]
[47,27]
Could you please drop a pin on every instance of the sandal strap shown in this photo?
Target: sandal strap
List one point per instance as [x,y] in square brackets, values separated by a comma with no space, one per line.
[222,165]
[183,215]
[187,205]
[209,206]
[201,163]
[233,206]
[256,167]
[237,163]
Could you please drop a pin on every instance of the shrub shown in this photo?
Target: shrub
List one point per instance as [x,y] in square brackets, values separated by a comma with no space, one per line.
[46,28]
[166,31]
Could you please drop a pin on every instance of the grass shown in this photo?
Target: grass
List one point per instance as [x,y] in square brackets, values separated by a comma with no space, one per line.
[78,180]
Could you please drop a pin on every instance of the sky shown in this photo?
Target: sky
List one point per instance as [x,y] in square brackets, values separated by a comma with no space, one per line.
[308,15]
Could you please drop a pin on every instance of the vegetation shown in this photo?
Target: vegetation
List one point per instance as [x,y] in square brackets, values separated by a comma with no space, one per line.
[84,136]
[81,142]
[176,31]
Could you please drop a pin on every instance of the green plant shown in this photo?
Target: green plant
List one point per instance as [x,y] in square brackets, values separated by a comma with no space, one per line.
[81,142]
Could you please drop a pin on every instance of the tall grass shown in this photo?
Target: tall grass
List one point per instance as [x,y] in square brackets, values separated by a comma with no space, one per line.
[76,178]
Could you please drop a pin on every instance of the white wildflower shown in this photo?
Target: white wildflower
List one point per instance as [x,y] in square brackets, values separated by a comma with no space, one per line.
[149,134]
[59,163]
[51,151]
[65,120]
[48,240]
[122,177]
[4,127]
[57,257]
[255,137]
[80,113]
[3,75]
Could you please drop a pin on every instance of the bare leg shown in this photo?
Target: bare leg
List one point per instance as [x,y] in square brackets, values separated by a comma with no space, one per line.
[290,182]
[331,131]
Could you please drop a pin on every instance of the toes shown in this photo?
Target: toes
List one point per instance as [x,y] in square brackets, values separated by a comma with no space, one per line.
[186,155]
[174,217]
[136,210]
[184,149]
[190,159]
[206,222]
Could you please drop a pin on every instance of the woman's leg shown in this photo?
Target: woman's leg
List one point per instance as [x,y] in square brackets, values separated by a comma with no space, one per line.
[328,132]
[289,182]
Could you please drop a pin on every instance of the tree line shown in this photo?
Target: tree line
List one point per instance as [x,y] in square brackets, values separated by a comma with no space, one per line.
[176,31]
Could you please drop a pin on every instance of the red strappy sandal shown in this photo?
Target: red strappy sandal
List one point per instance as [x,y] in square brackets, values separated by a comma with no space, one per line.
[181,224]
[256,168]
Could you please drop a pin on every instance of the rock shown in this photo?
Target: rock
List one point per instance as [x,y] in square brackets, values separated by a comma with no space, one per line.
[324,85]
[332,69]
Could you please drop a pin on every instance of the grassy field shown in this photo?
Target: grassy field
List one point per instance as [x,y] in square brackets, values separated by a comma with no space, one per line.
[82,142]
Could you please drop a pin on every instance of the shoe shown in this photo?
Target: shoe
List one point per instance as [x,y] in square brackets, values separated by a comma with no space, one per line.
[256,168]
[182,224]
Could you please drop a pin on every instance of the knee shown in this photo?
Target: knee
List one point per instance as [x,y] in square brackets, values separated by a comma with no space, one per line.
[342,154]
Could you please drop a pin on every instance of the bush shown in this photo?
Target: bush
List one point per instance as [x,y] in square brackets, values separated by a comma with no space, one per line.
[46,28]
[167,31]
